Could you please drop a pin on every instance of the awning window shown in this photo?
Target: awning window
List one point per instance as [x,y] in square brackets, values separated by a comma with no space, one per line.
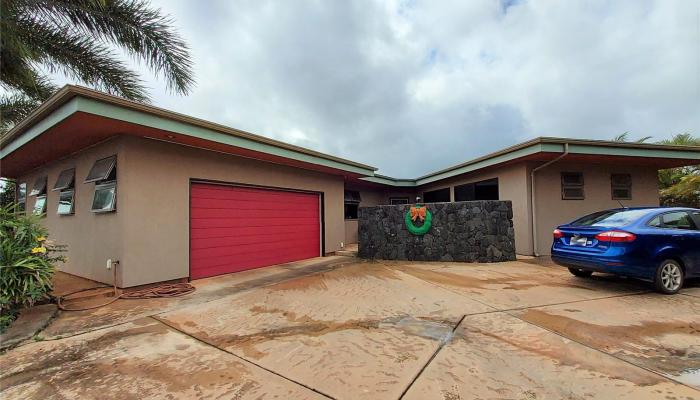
[102,170]
[352,197]
[65,180]
[39,187]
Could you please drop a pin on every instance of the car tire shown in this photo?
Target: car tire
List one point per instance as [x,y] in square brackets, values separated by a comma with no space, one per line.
[581,273]
[669,277]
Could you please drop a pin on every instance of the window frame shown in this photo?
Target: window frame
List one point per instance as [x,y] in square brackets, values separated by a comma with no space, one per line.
[660,216]
[44,200]
[392,199]
[102,186]
[568,185]
[617,186]
[68,184]
[345,211]
[72,202]
[39,190]
[106,174]
[22,197]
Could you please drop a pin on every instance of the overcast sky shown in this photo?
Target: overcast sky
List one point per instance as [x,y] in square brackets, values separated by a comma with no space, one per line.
[415,86]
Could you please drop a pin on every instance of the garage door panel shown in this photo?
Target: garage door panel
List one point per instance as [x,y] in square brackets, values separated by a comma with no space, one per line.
[234,242]
[235,228]
[279,203]
[249,194]
[226,255]
[235,214]
[210,233]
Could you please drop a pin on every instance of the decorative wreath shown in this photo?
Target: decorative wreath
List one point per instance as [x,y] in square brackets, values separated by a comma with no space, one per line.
[422,213]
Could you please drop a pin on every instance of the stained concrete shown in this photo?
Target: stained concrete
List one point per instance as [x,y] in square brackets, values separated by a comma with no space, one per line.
[346,329]
[499,356]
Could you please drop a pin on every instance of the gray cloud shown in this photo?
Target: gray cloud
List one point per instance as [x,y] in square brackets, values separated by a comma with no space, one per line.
[415,86]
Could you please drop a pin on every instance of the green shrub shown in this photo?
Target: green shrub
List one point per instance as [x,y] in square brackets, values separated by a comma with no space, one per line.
[27,261]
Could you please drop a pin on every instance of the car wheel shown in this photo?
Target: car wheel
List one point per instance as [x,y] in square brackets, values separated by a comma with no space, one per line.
[669,277]
[581,273]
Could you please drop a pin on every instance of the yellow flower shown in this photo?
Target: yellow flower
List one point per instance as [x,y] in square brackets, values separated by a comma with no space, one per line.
[39,250]
[40,239]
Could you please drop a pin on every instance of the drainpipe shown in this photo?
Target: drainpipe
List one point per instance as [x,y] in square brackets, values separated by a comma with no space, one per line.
[532,196]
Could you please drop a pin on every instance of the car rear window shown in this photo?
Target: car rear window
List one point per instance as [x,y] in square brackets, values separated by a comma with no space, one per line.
[610,218]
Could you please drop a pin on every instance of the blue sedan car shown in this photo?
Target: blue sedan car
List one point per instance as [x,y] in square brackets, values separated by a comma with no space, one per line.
[661,245]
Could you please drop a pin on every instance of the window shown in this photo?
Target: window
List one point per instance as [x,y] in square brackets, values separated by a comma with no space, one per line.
[482,190]
[103,170]
[610,218]
[352,203]
[104,174]
[40,205]
[351,211]
[437,196]
[21,197]
[572,186]
[39,190]
[673,220]
[39,187]
[65,202]
[621,186]
[65,183]
[65,180]
[105,198]
[398,200]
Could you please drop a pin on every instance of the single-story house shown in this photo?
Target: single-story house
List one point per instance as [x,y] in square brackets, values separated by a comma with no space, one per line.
[171,197]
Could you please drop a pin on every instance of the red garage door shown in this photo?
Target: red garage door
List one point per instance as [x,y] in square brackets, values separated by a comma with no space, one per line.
[238,228]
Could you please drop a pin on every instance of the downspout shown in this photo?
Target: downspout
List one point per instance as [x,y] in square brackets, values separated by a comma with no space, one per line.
[532,196]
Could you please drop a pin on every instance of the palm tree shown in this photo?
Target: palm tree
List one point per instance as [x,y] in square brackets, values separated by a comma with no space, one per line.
[77,38]
[624,137]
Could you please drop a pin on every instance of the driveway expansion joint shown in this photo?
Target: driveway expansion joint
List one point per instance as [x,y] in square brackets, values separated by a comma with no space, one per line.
[243,359]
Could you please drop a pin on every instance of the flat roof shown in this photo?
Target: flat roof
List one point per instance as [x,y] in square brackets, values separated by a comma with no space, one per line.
[554,146]
[73,101]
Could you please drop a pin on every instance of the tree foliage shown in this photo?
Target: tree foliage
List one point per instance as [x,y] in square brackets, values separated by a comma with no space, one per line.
[681,186]
[78,38]
[27,261]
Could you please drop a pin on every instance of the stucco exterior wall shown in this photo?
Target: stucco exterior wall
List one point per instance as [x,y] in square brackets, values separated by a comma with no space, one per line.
[513,186]
[552,210]
[91,238]
[157,221]
[368,199]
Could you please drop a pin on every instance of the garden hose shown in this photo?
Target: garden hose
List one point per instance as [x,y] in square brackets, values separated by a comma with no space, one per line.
[165,290]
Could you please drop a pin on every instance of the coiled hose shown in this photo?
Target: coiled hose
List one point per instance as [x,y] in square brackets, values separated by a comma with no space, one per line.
[164,290]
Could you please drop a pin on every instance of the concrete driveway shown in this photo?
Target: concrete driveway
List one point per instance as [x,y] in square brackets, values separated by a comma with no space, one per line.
[347,329]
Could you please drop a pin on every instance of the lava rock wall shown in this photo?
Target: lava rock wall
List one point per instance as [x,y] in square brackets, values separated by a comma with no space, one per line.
[472,231]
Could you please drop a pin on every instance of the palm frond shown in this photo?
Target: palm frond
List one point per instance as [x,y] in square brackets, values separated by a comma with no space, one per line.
[14,108]
[131,24]
[621,137]
[80,58]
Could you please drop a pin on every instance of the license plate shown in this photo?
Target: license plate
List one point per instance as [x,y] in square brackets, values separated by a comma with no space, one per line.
[578,241]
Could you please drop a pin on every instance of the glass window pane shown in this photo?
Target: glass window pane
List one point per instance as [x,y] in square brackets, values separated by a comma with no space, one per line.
[39,187]
[398,200]
[104,199]
[678,220]
[101,169]
[611,218]
[65,202]
[65,180]
[22,192]
[437,196]
[40,205]
[352,196]
[351,211]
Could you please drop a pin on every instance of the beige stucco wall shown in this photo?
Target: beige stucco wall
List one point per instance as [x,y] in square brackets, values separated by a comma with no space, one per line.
[91,238]
[513,186]
[157,221]
[368,199]
[552,210]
